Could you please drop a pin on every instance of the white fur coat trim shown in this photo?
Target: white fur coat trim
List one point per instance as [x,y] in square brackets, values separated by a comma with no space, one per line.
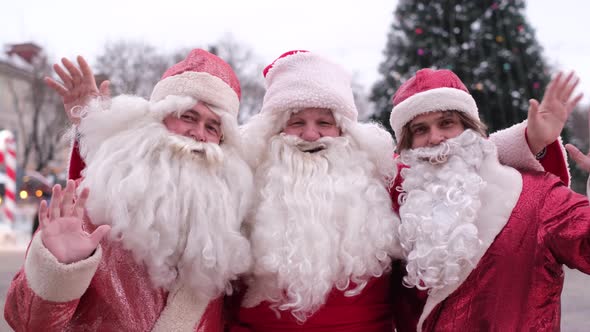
[440,99]
[201,86]
[54,281]
[499,197]
[513,149]
[183,311]
[305,80]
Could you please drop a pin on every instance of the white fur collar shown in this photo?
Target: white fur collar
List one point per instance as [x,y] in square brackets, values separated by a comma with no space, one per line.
[499,197]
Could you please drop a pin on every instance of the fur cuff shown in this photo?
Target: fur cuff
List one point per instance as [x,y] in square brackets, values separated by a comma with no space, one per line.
[513,149]
[54,281]
[183,311]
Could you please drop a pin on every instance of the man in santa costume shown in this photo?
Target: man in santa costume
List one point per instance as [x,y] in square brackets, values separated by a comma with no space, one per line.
[323,231]
[165,179]
[486,241]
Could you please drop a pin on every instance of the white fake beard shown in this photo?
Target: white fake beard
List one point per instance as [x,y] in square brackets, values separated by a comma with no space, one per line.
[176,204]
[439,208]
[324,220]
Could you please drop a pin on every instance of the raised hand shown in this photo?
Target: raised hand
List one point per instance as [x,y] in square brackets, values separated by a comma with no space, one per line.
[61,225]
[546,120]
[78,86]
[581,159]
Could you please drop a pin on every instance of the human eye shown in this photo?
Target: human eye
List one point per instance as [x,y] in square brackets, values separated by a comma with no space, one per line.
[188,117]
[419,130]
[212,129]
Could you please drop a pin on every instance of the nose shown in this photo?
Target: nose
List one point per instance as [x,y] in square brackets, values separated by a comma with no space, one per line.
[436,137]
[198,134]
[310,134]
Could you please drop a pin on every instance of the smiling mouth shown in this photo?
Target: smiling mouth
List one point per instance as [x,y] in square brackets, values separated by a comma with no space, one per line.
[311,148]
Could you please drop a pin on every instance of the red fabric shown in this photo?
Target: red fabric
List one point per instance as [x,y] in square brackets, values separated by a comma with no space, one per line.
[555,163]
[200,60]
[76,163]
[369,311]
[517,284]
[119,298]
[428,79]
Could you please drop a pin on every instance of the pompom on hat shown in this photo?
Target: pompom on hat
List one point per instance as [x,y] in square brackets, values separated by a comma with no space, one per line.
[301,79]
[204,77]
[430,91]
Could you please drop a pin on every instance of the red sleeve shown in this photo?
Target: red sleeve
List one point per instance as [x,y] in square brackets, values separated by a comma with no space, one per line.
[76,163]
[26,311]
[565,230]
[554,162]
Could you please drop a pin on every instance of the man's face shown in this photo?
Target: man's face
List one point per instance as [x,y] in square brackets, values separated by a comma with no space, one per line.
[433,128]
[311,124]
[198,123]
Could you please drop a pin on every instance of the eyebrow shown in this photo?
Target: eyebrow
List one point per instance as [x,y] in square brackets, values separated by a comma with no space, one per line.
[214,122]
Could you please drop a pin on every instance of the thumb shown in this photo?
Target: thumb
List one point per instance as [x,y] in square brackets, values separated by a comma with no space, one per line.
[105,89]
[533,107]
[99,234]
[580,158]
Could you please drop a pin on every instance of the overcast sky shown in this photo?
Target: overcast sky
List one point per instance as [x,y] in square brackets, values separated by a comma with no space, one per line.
[351,32]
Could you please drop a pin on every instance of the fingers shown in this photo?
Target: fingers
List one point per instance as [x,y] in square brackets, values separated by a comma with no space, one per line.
[99,234]
[65,77]
[67,203]
[80,204]
[533,108]
[571,104]
[54,204]
[105,89]
[56,86]
[87,74]
[74,71]
[550,91]
[580,158]
[42,214]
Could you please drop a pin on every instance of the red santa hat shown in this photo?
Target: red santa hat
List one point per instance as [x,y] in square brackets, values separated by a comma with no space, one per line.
[429,91]
[204,77]
[301,79]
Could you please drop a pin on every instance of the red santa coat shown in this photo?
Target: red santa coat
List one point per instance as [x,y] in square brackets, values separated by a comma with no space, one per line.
[532,225]
[108,291]
[370,311]
[517,284]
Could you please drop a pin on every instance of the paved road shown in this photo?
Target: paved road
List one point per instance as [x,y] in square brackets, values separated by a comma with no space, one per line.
[575,303]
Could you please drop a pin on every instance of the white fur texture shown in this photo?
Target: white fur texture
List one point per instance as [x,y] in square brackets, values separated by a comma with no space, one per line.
[54,281]
[176,204]
[444,189]
[324,220]
[441,99]
[306,80]
[439,209]
[201,86]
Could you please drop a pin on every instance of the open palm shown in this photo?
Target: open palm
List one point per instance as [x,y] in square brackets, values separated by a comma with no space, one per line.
[546,120]
[78,86]
[61,225]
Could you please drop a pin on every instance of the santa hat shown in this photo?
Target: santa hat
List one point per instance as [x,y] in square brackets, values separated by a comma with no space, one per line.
[429,91]
[300,79]
[204,77]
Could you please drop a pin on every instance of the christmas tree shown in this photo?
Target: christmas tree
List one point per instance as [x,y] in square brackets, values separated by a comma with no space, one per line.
[487,43]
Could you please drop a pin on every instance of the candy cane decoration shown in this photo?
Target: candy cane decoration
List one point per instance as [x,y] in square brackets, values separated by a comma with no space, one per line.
[8,152]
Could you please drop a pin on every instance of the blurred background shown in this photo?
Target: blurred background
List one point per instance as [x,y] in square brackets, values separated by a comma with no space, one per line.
[505,51]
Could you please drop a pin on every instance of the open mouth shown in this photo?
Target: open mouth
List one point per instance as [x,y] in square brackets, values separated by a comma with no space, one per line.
[311,147]
[314,150]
